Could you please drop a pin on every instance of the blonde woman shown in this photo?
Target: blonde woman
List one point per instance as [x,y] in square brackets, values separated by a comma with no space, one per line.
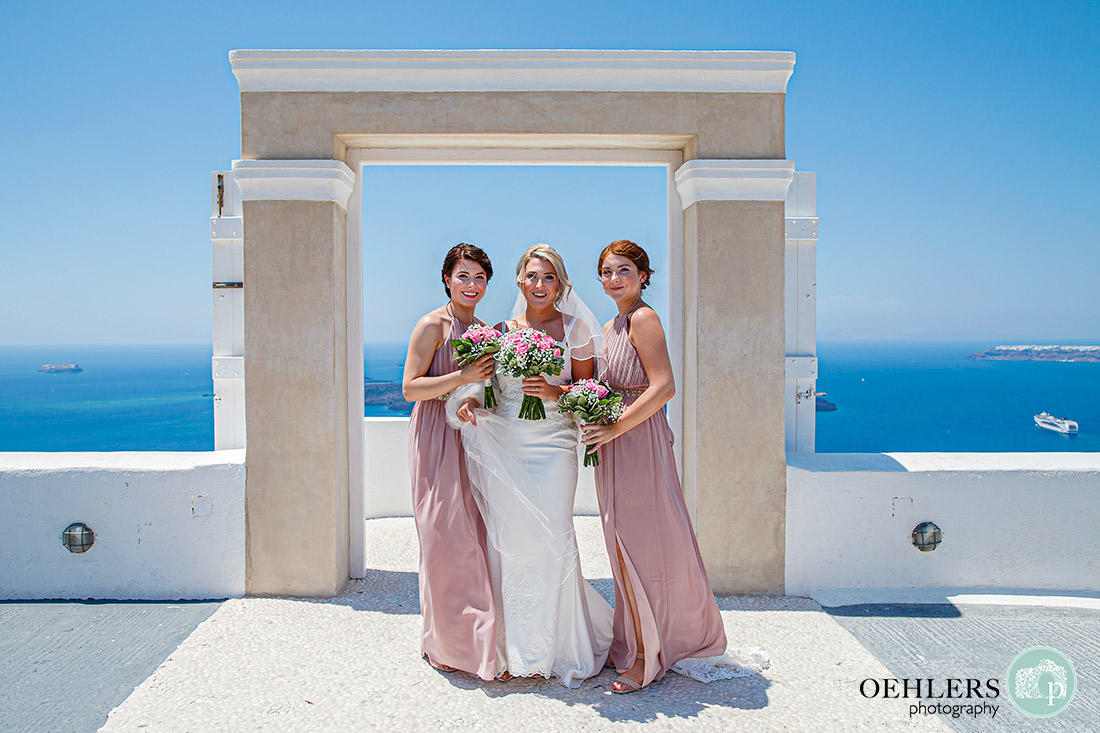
[524,477]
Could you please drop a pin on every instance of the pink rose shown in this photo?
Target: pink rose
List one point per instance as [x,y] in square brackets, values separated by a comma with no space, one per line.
[557,352]
[601,391]
[477,337]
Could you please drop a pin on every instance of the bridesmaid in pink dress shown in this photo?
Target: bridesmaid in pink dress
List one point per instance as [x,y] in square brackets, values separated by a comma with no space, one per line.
[665,611]
[456,599]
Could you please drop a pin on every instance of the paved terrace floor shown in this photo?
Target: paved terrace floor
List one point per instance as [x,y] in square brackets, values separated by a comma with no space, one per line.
[351,663]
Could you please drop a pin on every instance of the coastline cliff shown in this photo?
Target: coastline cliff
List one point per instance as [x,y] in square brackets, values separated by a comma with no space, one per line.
[385,393]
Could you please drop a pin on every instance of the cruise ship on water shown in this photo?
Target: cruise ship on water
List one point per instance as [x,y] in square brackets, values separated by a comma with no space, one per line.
[1057,424]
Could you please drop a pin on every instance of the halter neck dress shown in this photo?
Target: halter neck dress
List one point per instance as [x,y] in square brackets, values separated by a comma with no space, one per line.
[456,599]
[644,518]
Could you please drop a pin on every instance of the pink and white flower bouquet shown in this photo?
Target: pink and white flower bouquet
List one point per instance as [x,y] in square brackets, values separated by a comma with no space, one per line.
[475,343]
[528,352]
[591,402]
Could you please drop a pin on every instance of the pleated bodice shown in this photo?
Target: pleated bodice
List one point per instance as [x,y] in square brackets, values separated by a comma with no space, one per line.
[622,369]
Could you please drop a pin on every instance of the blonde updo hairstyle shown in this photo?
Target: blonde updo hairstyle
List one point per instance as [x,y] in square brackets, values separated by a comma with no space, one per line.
[546,253]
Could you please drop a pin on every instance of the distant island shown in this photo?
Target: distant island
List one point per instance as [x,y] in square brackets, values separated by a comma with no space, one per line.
[1039,353]
[385,393]
[60,368]
[823,405]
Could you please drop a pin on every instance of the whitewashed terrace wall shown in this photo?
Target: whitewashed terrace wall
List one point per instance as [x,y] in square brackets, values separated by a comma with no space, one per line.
[1009,520]
[386,472]
[168,525]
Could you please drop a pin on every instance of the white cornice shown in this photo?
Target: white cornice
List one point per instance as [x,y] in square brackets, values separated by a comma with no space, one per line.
[733,180]
[298,180]
[535,70]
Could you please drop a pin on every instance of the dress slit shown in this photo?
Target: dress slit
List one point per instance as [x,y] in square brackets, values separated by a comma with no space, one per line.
[651,640]
[646,521]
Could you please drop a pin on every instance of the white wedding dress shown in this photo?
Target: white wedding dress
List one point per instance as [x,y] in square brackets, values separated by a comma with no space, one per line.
[524,472]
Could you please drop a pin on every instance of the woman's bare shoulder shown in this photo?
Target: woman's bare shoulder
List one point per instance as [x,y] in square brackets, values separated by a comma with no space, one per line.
[645,327]
[646,317]
[433,321]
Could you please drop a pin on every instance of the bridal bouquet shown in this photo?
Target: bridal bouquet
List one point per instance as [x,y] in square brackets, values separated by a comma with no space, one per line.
[590,402]
[525,353]
[474,344]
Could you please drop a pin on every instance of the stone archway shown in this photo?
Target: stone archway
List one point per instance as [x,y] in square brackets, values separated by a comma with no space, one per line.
[301,114]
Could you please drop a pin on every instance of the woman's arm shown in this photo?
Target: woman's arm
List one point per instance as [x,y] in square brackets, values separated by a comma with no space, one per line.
[426,338]
[648,338]
[583,369]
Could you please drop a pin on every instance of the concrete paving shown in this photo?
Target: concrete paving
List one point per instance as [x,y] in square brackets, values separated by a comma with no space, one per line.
[979,641]
[352,663]
[65,665]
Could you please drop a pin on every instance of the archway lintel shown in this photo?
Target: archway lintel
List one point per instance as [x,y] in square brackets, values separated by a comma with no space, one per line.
[515,141]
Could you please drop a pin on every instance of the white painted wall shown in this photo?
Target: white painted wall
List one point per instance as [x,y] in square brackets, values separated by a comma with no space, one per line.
[168,525]
[386,472]
[1009,520]
[227,260]
[800,310]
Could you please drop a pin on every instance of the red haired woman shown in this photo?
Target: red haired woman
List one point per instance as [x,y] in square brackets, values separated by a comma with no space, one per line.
[665,612]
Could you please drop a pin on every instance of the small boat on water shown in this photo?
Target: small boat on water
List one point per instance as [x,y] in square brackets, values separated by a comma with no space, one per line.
[1057,424]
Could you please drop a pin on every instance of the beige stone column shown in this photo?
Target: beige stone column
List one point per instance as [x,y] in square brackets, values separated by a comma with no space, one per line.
[296,390]
[734,461]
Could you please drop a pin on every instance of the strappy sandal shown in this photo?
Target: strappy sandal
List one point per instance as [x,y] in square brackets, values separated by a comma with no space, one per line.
[628,683]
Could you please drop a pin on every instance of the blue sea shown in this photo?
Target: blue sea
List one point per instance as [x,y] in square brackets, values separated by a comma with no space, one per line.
[127,398]
[930,398]
[890,397]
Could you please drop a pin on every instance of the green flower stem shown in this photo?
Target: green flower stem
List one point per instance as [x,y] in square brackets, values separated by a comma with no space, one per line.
[531,408]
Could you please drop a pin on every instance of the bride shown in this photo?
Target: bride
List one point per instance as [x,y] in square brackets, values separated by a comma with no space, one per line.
[551,622]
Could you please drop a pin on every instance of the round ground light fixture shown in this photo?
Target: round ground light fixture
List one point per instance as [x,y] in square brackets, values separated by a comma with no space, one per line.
[78,538]
[927,536]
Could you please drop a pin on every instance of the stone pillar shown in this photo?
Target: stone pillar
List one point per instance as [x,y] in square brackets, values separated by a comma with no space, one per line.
[296,388]
[734,461]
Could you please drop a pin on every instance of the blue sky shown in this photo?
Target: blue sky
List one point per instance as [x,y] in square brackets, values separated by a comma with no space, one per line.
[955,145]
[503,209]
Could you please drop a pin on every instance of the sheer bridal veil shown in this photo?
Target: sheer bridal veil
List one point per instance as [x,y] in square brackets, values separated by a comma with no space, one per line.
[496,470]
[583,333]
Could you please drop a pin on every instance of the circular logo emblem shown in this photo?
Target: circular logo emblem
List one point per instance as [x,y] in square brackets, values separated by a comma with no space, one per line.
[1041,682]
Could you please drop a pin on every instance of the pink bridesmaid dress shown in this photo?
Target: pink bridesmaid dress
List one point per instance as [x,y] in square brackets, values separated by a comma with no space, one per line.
[644,518]
[456,599]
